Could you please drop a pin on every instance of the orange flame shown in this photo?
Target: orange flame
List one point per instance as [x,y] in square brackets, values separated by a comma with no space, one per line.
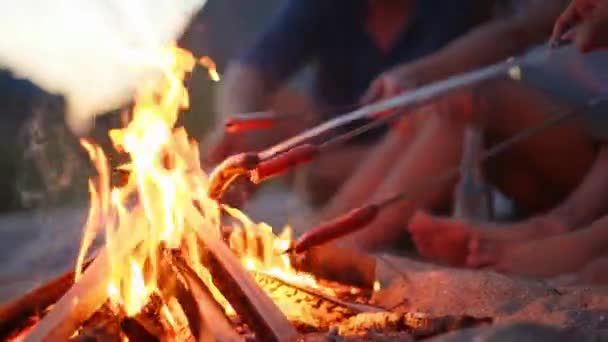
[211,68]
[157,203]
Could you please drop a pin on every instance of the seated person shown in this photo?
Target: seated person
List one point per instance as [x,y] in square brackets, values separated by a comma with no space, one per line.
[561,240]
[350,43]
[433,143]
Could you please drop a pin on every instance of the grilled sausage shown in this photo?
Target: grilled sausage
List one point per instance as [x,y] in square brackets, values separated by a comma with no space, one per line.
[339,227]
[283,162]
[238,124]
[228,171]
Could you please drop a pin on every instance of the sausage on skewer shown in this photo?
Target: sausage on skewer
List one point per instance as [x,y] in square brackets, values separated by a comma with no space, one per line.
[283,162]
[337,228]
[231,168]
[251,121]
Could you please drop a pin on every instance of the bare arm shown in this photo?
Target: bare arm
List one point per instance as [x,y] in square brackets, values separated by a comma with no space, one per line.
[243,89]
[288,43]
[488,43]
[590,199]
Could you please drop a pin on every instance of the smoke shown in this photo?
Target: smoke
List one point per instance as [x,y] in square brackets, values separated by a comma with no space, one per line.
[93,52]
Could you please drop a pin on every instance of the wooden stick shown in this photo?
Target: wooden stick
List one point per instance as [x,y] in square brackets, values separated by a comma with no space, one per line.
[211,314]
[135,331]
[77,305]
[249,300]
[15,313]
[85,297]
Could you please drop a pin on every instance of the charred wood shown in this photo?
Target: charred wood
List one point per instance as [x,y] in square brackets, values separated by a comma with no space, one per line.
[247,298]
[206,317]
[15,315]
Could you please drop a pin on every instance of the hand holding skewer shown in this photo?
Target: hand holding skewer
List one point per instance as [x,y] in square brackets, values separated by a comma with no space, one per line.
[257,170]
[357,219]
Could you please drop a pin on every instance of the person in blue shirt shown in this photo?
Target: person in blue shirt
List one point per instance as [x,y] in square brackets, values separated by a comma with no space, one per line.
[361,51]
[349,44]
[396,160]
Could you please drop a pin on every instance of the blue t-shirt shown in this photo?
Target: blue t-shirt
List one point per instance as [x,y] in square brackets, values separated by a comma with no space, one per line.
[332,34]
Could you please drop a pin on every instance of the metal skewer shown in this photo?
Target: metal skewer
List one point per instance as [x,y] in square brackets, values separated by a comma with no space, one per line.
[342,225]
[405,102]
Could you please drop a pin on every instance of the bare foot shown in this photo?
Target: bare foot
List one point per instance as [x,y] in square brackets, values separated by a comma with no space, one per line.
[440,239]
[595,272]
[545,257]
[486,247]
[460,243]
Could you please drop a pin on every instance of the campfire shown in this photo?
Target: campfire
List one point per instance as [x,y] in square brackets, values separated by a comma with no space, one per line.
[177,265]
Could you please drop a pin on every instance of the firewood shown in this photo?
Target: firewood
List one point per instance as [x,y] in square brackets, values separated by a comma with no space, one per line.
[215,325]
[246,297]
[103,325]
[134,331]
[85,297]
[14,314]
[78,304]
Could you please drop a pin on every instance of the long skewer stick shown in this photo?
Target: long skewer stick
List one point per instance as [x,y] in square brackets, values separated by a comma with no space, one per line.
[404,102]
[352,222]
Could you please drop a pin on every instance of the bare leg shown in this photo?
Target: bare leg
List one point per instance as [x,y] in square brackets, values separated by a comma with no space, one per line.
[556,255]
[327,174]
[436,147]
[533,173]
[371,169]
[459,242]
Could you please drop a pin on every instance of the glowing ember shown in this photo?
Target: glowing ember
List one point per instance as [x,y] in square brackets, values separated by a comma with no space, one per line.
[164,201]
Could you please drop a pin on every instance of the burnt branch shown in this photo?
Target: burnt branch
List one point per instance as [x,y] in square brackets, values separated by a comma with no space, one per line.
[248,299]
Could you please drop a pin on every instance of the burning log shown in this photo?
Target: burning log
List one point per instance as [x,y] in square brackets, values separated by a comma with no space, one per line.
[247,298]
[77,305]
[103,325]
[82,300]
[150,324]
[208,309]
[135,331]
[34,303]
